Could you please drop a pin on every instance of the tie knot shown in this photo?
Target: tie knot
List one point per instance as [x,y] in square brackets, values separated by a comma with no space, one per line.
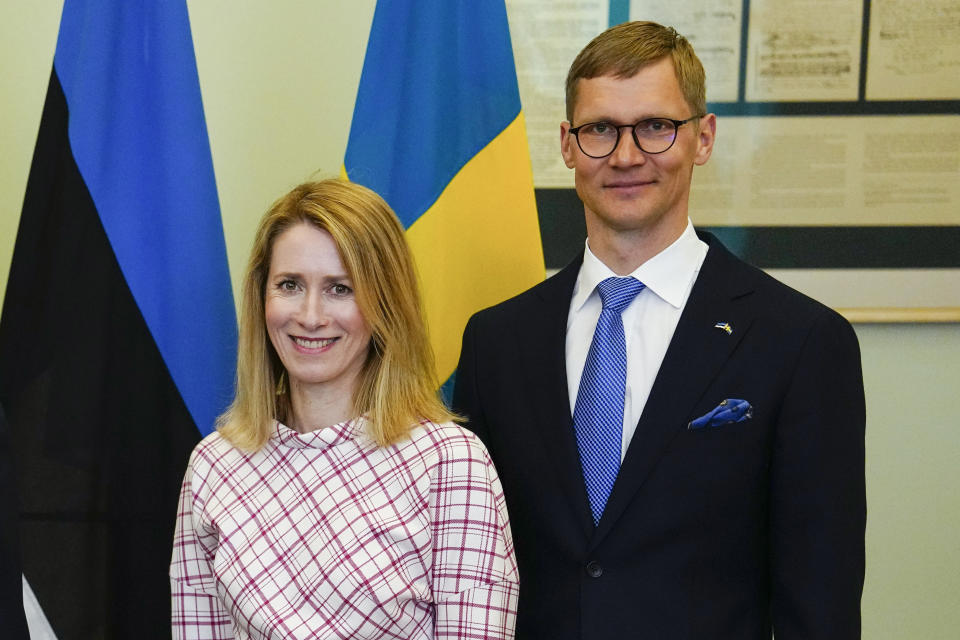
[617,293]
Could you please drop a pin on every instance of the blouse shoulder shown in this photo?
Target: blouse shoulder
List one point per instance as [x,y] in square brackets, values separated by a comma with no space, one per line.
[449,442]
[215,451]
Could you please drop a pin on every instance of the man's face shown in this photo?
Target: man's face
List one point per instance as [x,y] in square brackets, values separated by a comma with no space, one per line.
[630,192]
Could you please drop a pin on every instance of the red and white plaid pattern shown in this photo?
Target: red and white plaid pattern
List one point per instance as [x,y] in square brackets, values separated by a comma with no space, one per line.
[326,535]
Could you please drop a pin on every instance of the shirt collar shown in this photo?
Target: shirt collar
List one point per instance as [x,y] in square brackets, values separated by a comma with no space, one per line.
[667,274]
[323,438]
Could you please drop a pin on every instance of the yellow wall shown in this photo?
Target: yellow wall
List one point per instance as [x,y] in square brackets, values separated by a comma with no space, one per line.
[278,82]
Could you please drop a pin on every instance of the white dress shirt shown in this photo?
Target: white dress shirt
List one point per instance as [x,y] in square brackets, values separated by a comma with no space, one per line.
[648,322]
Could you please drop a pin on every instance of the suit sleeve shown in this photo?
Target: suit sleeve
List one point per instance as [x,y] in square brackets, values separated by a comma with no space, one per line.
[466,395]
[818,494]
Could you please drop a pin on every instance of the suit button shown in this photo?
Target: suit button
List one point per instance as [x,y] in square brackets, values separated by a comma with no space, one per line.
[594,570]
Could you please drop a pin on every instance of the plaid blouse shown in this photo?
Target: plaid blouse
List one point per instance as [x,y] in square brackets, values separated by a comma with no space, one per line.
[327,535]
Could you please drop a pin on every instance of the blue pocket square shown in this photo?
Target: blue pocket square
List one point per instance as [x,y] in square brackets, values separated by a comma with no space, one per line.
[727,412]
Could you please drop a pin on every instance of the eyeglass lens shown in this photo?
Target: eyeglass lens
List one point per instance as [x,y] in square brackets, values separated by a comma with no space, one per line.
[599,139]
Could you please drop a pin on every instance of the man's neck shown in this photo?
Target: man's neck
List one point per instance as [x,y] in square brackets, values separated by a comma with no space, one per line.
[624,251]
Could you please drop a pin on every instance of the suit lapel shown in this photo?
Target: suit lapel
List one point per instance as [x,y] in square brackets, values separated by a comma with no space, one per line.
[545,356]
[696,354]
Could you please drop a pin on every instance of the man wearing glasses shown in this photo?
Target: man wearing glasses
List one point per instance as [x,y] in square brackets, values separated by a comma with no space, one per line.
[680,437]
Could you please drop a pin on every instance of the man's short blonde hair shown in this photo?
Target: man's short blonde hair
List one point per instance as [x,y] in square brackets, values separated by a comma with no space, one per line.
[623,50]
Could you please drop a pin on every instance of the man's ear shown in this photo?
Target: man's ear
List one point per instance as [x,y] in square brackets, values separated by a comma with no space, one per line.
[566,142]
[706,134]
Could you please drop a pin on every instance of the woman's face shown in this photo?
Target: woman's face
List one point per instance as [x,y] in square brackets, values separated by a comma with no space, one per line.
[312,315]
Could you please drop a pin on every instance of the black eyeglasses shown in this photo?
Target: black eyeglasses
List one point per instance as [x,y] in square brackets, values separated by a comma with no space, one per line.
[653,135]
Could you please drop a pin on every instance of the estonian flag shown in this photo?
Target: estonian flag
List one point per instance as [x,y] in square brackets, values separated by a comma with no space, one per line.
[118,333]
[438,131]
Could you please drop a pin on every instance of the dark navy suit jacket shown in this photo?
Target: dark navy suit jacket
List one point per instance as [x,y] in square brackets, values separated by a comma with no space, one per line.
[722,532]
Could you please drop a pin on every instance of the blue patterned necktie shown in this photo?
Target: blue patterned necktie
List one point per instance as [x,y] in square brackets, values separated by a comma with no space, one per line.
[598,415]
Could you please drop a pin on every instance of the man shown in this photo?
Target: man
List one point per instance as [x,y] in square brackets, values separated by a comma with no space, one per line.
[682,450]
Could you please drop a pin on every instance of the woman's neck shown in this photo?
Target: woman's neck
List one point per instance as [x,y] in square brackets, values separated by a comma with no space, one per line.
[313,407]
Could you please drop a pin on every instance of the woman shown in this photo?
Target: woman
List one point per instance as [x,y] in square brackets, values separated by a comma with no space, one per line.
[336,499]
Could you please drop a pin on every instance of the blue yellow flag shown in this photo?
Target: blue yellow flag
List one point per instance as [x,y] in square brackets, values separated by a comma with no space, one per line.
[118,332]
[438,131]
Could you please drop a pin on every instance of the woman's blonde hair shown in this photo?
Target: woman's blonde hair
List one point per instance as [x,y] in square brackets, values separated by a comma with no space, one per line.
[398,384]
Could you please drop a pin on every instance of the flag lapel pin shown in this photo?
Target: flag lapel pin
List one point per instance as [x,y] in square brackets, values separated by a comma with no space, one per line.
[724,326]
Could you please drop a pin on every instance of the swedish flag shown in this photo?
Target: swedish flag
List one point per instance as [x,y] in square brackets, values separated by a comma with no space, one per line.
[438,131]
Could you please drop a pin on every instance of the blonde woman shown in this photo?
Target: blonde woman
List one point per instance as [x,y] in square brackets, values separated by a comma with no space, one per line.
[337,499]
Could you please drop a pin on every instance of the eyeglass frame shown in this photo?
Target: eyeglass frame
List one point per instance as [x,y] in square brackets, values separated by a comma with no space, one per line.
[633,134]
